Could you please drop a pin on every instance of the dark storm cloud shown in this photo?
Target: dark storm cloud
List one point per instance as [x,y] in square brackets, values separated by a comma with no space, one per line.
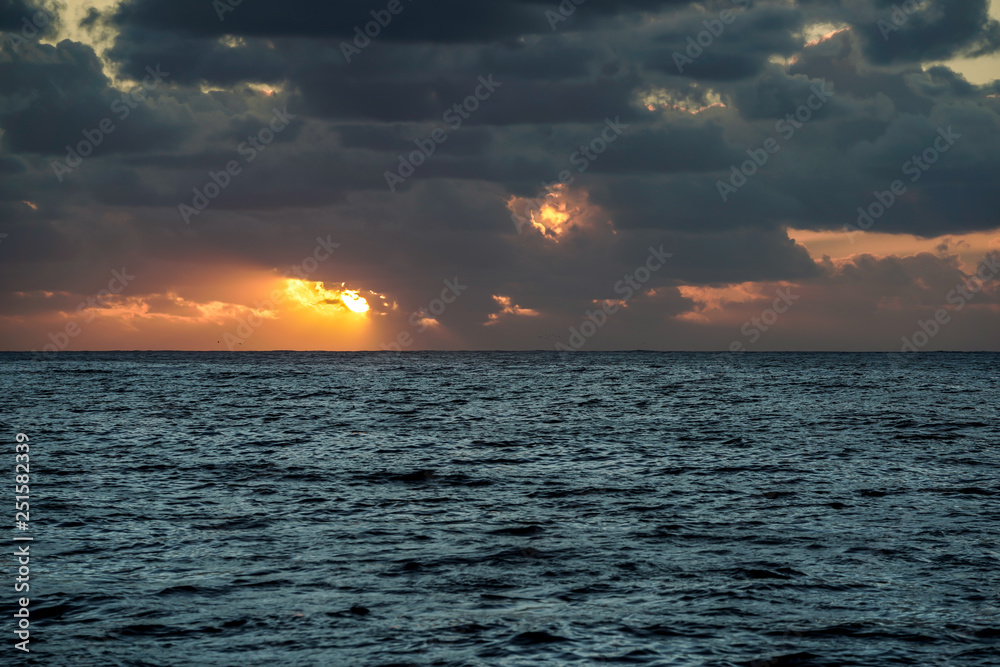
[774,94]
[515,102]
[840,61]
[739,50]
[474,141]
[934,31]
[194,59]
[446,20]
[443,21]
[11,164]
[27,20]
[91,20]
[49,95]
[940,81]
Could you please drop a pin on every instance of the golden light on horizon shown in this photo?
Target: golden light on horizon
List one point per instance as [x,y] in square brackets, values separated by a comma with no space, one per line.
[315,295]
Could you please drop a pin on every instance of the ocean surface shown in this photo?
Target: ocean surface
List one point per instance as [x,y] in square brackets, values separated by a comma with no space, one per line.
[507,509]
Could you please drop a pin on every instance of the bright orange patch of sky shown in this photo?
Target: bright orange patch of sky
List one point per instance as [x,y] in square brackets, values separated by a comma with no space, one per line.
[841,245]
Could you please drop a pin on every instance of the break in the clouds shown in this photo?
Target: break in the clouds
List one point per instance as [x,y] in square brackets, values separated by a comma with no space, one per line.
[402,174]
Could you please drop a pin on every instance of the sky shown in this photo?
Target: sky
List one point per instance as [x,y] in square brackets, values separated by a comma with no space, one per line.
[736,175]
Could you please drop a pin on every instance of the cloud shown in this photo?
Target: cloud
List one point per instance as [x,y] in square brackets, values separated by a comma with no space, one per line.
[658,183]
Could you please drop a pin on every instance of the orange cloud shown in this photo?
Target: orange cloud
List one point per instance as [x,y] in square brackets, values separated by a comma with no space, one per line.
[709,298]
[267,312]
[509,309]
[557,213]
[842,245]
[315,295]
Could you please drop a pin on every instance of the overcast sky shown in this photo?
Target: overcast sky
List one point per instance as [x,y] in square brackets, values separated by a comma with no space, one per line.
[193,175]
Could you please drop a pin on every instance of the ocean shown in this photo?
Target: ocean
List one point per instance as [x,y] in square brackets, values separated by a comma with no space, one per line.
[634,508]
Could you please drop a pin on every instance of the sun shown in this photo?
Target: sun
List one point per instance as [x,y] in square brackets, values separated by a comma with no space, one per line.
[354,301]
[315,295]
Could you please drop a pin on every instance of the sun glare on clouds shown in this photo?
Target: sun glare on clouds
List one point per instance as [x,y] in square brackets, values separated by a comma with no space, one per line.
[315,295]
[560,211]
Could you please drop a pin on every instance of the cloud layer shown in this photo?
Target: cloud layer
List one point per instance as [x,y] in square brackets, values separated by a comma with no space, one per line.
[625,125]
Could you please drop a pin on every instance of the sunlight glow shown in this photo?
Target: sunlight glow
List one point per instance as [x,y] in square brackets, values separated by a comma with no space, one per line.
[840,246]
[509,308]
[553,214]
[315,295]
[551,218]
[695,102]
[822,32]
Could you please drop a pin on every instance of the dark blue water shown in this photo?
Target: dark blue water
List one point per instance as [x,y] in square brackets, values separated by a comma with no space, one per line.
[508,509]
